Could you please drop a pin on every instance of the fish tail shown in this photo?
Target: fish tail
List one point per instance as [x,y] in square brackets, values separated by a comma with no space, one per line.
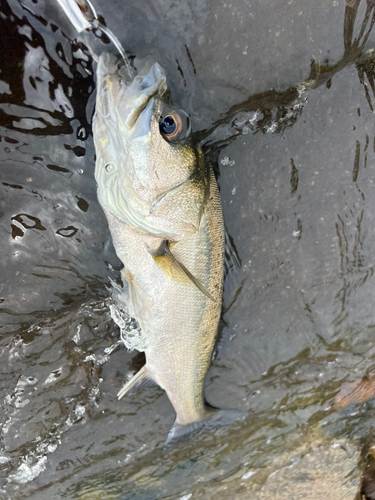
[180,434]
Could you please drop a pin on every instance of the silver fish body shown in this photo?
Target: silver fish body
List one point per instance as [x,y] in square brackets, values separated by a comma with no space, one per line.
[165,218]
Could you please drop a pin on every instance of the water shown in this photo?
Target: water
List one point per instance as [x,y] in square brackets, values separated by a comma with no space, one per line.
[282,99]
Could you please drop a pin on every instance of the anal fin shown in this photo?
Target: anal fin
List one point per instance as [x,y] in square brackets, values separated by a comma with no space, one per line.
[174,268]
[141,379]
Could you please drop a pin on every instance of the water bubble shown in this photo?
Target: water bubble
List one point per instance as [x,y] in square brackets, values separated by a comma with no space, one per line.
[227,162]
[32,380]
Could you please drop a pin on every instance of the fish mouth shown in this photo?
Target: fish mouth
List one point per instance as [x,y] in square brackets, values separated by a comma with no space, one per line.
[140,96]
[128,107]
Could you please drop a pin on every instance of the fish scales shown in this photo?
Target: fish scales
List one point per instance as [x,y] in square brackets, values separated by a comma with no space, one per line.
[184,325]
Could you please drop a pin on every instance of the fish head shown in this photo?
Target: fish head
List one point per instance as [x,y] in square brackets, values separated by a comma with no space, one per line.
[149,174]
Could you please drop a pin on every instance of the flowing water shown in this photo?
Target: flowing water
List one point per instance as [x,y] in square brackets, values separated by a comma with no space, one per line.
[282,96]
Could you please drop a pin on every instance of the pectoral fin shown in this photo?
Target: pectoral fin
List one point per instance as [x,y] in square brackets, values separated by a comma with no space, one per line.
[138,304]
[174,268]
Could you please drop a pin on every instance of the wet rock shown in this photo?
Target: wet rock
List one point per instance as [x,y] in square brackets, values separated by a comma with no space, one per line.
[355,392]
[325,471]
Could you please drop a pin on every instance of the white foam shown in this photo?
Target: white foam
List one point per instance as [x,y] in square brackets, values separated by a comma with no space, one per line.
[130,331]
[26,473]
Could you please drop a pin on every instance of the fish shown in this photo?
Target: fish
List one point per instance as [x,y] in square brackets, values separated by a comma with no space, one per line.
[164,213]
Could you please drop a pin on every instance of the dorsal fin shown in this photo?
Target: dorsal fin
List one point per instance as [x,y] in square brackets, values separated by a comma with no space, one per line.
[232,261]
[174,268]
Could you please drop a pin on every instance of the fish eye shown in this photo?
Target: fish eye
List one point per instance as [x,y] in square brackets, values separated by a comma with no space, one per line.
[174,126]
[169,126]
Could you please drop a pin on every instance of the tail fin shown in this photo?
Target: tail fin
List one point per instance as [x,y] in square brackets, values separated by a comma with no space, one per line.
[180,434]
